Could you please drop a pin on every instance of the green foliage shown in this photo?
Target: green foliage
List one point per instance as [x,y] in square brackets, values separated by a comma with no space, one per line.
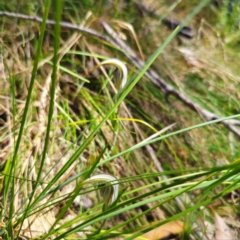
[68,124]
[229,16]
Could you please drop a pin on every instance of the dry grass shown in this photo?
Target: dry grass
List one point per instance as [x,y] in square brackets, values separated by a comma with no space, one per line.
[203,68]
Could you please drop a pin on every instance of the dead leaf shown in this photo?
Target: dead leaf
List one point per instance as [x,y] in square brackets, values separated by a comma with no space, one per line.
[130,28]
[162,232]
[222,231]
[36,226]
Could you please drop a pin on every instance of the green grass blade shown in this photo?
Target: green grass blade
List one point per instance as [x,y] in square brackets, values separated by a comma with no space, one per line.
[9,183]
[34,71]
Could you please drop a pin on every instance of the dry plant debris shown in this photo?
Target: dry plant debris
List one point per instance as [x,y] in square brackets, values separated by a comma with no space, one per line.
[154,100]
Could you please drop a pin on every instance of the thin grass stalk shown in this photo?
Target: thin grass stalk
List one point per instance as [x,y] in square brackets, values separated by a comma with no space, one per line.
[205,194]
[75,193]
[78,188]
[149,62]
[9,181]
[58,14]
[34,71]
[103,216]
[122,206]
[199,198]
[8,165]
[144,143]
[123,93]
[186,179]
[139,145]
[85,143]
[171,194]
[176,193]
[196,206]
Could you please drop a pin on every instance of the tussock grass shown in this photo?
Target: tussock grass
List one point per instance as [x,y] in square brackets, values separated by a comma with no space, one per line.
[65,118]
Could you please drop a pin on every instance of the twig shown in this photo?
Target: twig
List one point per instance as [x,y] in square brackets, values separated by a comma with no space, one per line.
[52,22]
[166,88]
[129,53]
[186,31]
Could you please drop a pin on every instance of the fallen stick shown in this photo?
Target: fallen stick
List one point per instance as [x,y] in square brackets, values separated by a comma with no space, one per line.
[166,88]
[130,54]
[186,31]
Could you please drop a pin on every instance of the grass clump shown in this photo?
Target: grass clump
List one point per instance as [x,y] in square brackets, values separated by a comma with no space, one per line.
[84,156]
